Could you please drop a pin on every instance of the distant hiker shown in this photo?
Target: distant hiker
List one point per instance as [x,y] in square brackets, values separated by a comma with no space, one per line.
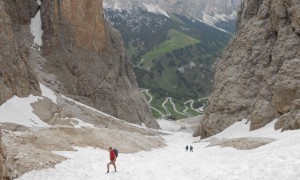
[187,148]
[191,149]
[113,158]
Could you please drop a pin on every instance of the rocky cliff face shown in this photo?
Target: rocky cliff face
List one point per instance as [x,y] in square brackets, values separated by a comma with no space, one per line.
[16,77]
[4,172]
[258,77]
[87,58]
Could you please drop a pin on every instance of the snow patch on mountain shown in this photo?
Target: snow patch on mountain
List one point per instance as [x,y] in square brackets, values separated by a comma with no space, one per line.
[212,11]
[155,9]
[212,25]
[218,17]
[46,92]
[19,111]
[36,28]
[117,6]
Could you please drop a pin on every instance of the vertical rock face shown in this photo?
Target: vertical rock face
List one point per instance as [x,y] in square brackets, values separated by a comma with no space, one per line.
[3,169]
[88,59]
[16,77]
[258,77]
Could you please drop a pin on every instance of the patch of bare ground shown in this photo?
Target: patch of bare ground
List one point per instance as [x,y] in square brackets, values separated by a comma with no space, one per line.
[247,143]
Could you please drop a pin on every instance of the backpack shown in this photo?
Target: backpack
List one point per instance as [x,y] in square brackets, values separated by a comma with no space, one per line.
[116,152]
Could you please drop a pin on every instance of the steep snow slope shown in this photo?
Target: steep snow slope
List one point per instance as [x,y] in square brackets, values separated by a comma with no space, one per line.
[19,111]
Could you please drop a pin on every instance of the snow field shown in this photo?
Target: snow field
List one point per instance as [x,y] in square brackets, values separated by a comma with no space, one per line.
[18,110]
[168,125]
[277,160]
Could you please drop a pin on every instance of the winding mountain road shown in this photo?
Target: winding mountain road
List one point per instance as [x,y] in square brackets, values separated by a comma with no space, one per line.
[169,99]
[146,91]
[191,103]
[165,108]
[139,64]
[175,109]
[188,105]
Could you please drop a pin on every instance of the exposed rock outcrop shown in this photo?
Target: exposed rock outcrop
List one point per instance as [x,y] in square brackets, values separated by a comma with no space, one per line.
[4,174]
[258,77]
[88,59]
[241,143]
[21,11]
[16,77]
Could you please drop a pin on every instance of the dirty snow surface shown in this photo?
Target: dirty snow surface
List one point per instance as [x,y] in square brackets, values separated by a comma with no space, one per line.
[277,160]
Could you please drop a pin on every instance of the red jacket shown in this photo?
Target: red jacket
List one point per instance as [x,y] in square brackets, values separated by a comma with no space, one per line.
[112,155]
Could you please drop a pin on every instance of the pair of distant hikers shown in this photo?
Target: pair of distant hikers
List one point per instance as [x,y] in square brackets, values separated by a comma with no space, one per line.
[187,148]
[113,154]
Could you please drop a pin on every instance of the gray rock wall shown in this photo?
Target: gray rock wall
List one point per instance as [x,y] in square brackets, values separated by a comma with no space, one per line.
[4,170]
[88,59]
[258,77]
[16,77]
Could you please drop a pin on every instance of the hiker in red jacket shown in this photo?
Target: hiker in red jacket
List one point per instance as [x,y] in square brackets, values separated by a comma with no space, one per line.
[113,158]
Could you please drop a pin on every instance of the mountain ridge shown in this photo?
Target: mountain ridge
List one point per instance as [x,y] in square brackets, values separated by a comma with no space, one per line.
[210,12]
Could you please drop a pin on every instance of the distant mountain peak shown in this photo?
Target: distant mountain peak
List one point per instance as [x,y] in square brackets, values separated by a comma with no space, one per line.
[208,11]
